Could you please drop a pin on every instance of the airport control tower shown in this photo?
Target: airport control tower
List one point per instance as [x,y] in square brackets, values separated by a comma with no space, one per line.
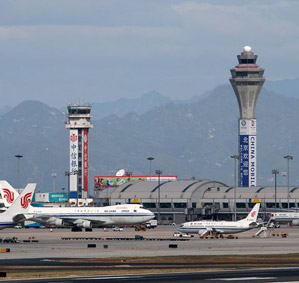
[79,125]
[247,81]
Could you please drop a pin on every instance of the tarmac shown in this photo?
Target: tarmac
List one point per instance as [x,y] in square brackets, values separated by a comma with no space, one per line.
[63,243]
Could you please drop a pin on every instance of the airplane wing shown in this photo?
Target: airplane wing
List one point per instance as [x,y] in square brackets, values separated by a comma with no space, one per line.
[19,218]
[254,224]
[64,221]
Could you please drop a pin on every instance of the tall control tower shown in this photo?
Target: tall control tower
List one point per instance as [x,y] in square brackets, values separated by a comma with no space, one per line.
[247,81]
[79,125]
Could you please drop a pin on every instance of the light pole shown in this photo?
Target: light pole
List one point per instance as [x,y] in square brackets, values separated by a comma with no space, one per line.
[150,159]
[54,175]
[159,173]
[19,156]
[236,158]
[275,172]
[288,157]
[67,173]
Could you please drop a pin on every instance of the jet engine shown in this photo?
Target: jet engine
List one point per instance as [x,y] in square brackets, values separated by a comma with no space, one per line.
[57,222]
[83,224]
[295,222]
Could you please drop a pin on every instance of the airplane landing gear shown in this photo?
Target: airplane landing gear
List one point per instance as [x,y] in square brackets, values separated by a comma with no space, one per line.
[76,229]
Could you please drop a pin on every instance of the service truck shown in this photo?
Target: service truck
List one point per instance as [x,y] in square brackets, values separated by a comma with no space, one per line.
[151,224]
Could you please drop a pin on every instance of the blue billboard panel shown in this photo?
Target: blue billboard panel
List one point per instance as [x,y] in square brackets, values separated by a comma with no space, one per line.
[73,194]
[244,160]
[58,197]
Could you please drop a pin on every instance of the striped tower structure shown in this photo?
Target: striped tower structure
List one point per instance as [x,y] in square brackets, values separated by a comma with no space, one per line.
[79,125]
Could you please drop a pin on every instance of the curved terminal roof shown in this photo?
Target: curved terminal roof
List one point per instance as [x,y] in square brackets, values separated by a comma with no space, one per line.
[192,189]
[168,189]
[251,192]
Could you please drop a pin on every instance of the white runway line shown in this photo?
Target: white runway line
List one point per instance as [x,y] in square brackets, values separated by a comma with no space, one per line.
[244,278]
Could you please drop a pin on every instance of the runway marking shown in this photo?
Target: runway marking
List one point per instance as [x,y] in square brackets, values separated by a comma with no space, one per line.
[243,278]
[108,277]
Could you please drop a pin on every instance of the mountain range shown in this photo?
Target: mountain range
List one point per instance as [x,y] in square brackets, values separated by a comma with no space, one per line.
[193,138]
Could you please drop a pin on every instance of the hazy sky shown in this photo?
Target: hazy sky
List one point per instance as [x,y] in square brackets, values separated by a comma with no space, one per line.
[93,51]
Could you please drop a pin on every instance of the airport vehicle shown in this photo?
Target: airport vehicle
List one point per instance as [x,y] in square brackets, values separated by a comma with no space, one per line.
[118,229]
[151,224]
[182,235]
[86,217]
[16,212]
[285,217]
[222,227]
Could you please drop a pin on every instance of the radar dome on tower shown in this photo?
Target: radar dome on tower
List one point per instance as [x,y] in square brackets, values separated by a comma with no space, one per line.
[247,48]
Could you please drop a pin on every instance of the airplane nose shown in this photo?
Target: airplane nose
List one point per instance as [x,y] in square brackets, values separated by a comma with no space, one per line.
[151,214]
[179,228]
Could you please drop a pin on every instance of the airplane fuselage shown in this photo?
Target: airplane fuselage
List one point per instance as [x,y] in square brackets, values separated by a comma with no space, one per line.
[99,216]
[285,216]
[221,227]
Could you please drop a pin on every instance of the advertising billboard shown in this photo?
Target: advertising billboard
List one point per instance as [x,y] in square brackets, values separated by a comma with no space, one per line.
[73,178]
[115,181]
[247,152]
[85,160]
[58,197]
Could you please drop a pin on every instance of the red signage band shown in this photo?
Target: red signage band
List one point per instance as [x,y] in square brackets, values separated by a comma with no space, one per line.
[85,160]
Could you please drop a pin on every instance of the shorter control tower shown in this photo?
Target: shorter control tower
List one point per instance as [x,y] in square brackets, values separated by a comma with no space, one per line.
[79,125]
[247,81]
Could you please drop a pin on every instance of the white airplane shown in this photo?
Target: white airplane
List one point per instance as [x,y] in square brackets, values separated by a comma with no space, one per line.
[15,213]
[83,217]
[285,217]
[222,227]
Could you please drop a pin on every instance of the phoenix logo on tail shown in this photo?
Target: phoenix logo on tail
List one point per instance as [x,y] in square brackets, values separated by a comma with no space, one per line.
[253,213]
[25,200]
[8,195]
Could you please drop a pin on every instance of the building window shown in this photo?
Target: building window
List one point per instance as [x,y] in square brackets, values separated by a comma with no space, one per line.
[270,205]
[251,204]
[180,205]
[241,205]
[193,204]
[165,205]
[149,205]
[225,205]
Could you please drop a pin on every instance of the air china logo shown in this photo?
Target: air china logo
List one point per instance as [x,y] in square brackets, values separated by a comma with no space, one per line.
[73,137]
[8,195]
[253,213]
[25,200]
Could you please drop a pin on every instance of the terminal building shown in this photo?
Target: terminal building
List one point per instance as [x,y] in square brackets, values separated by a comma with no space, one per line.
[186,200]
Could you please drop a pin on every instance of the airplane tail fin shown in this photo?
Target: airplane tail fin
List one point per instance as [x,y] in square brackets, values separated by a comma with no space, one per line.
[252,216]
[8,193]
[22,204]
